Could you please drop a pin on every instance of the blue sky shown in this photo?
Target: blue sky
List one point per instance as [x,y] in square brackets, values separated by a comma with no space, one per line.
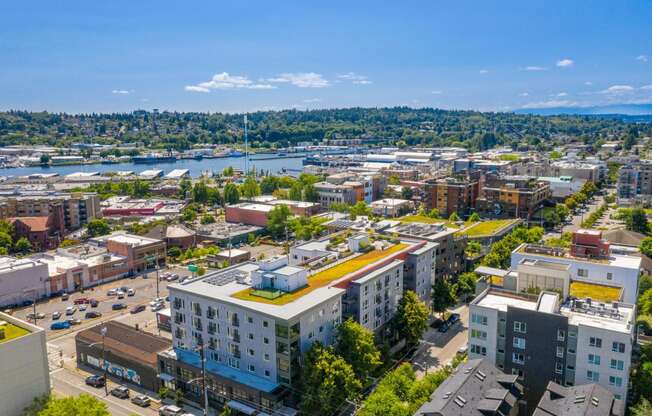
[91,56]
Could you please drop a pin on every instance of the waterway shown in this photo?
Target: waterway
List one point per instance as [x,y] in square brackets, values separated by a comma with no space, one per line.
[196,167]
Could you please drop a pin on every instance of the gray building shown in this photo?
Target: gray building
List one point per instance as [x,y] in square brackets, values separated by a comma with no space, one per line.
[586,400]
[476,388]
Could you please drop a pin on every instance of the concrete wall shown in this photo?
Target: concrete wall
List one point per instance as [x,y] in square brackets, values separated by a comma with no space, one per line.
[21,284]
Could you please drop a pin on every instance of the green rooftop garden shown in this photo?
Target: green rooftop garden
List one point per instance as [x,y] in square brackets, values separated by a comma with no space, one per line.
[12,331]
[320,279]
[595,291]
[486,228]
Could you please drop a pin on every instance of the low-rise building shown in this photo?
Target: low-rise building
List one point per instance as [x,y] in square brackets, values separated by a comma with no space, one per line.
[22,280]
[454,194]
[561,187]
[24,365]
[330,193]
[476,388]
[584,400]
[391,207]
[512,196]
[140,253]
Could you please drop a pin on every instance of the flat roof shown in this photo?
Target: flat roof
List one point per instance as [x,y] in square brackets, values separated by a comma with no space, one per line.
[493,300]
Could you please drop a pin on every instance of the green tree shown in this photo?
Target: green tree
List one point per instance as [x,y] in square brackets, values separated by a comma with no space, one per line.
[82,405]
[406,192]
[200,193]
[360,209]
[562,211]
[188,215]
[277,220]
[571,203]
[642,408]
[184,188]
[327,380]
[269,184]
[475,217]
[250,187]
[443,296]
[228,171]
[636,220]
[411,319]
[453,217]
[226,411]
[139,189]
[45,159]
[393,179]
[231,193]
[310,194]
[97,227]
[355,344]
[645,247]
[555,155]
[473,248]
[434,213]
[5,240]
[551,217]
[214,196]
[645,304]
[207,219]
[465,285]
[644,283]
[174,252]
[295,192]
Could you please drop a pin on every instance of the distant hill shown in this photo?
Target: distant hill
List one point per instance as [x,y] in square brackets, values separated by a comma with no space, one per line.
[606,110]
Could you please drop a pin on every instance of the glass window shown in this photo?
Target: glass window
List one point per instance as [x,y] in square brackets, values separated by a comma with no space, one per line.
[595,342]
[594,359]
[520,327]
[518,342]
[618,347]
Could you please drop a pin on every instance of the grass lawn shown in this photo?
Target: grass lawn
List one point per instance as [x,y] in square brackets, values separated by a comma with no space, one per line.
[594,291]
[486,228]
[421,218]
[12,331]
[324,277]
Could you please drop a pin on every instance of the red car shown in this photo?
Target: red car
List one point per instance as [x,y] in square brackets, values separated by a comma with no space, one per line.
[81,301]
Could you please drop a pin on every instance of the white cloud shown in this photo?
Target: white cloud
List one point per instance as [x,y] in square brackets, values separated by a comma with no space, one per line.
[589,83]
[436,92]
[550,104]
[562,94]
[646,87]
[301,79]
[312,100]
[225,81]
[534,68]
[524,94]
[355,78]
[642,58]
[144,100]
[121,92]
[484,71]
[565,63]
[618,89]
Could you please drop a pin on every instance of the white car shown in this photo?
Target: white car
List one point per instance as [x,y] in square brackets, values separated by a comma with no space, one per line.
[112,292]
[131,292]
[56,315]
[120,294]
[70,310]
[157,307]
[82,307]
[156,301]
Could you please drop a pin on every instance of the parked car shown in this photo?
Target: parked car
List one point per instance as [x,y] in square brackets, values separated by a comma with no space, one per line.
[453,319]
[95,381]
[64,296]
[118,306]
[131,292]
[60,325]
[74,321]
[92,315]
[38,315]
[56,315]
[112,292]
[28,303]
[94,303]
[121,391]
[444,327]
[80,301]
[70,310]
[172,277]
[157,307]
[141,400]
[82,308]
[137,309]
[120,294]
[170,410]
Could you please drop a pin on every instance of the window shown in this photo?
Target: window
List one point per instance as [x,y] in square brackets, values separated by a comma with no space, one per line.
[618,347]
[617,364]
[518,372]
[593,376]
[266,357]
[572,334]
[610,276]
[582,272]
[560,352]
[267,373]
[518,342]
[251,352]
[561,335]
[618,396]
[594,359]
[265,324]
[559,368]
[476,333]
[477,349]
[478,319]
[520,327]
[595,342]
[518,358]
[251,368]
[250,320]
[615,381]
[234,363]
[251,336]
[265,340]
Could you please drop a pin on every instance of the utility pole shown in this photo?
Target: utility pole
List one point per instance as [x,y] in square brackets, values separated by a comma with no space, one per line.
[104,366]
[228,230]
[246,140]
[157,281]
[203,377]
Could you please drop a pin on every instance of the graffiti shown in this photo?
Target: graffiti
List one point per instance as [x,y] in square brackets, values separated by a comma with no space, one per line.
[115,369]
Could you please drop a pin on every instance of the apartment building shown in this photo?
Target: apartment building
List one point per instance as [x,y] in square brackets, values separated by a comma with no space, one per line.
[475,388]
[68,211]
[335,194]
[24,365]
[454,194]
[545,338]
[512,196]
[589,260]
[419,272]
[635,181]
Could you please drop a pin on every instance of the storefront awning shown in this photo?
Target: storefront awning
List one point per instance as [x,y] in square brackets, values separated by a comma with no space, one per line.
[166,377]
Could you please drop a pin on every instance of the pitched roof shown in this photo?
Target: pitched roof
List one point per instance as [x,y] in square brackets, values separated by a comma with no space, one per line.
[623,236]
[125,340]
[33,223]
[583,400]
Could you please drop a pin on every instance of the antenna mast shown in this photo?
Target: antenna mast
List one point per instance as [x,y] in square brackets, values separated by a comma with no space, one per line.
[246,146]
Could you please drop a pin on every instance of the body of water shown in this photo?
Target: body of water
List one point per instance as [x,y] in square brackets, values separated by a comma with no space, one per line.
[196,167]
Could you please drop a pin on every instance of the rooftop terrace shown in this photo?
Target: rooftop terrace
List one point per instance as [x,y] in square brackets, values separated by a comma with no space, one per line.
[324,277]
[487,228]
[11,331]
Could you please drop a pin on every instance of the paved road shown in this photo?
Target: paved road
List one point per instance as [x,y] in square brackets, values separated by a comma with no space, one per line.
[578,219]
[439,349]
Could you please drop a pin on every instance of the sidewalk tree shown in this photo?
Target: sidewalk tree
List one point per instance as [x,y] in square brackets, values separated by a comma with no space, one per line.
[646,246]
[465,285]
[82,405]
[562,211]
[327,380]
[355,344]
[453,217]
[411,319]
[636,220]
[442,296]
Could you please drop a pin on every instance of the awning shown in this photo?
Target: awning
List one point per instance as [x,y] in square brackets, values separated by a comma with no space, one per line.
[166,377]
[490,271]
[241,407]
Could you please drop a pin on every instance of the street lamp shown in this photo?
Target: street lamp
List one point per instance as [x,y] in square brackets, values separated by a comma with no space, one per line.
[104,366]
[202,357]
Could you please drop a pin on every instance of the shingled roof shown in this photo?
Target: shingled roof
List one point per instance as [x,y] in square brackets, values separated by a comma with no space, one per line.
[583,400]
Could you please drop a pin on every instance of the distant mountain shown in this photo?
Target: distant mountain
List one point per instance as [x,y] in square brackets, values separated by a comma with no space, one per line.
[615,109]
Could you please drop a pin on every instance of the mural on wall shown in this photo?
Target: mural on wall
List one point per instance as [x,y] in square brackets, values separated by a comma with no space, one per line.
[115,369]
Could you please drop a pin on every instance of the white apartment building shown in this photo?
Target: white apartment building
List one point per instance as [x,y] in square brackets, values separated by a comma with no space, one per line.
[23,365]
[541,339]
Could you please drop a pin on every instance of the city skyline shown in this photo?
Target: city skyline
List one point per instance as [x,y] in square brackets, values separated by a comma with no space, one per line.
[84,58]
